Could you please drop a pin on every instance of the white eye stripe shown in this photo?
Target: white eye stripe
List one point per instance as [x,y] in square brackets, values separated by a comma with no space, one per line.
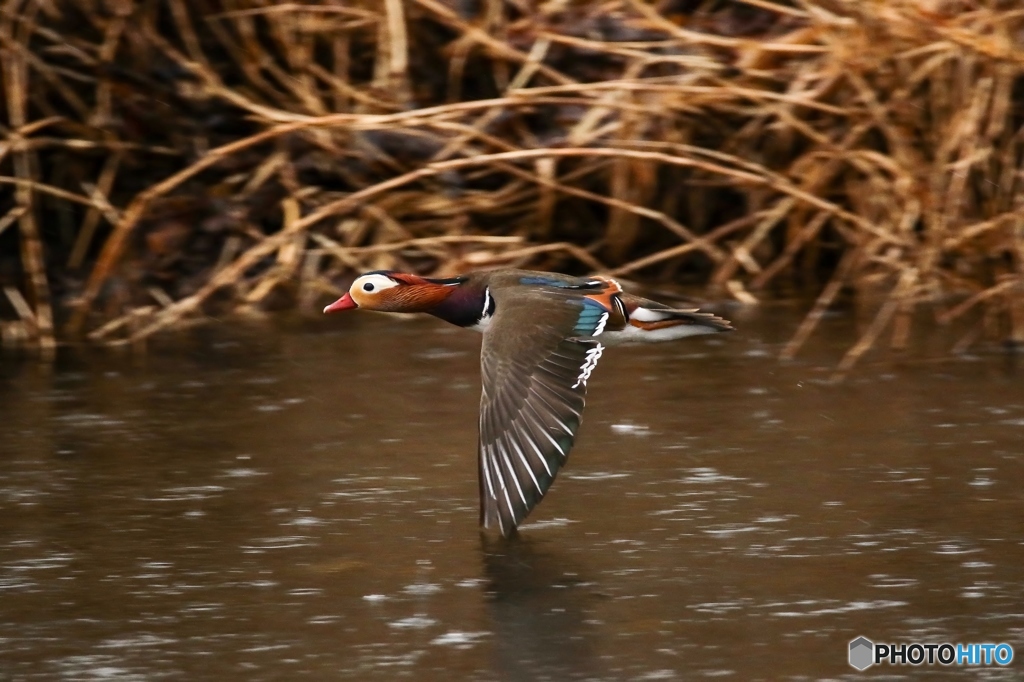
[373,283]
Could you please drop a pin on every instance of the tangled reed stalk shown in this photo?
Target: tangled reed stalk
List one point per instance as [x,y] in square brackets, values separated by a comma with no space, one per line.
[167,160]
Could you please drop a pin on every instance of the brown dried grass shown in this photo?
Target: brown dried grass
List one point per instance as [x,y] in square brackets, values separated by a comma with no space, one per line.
[191,157]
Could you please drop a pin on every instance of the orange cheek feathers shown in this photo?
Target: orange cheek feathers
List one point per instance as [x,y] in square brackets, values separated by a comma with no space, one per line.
[409,298]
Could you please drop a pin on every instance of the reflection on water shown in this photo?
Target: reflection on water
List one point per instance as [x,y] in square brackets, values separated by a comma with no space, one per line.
[304,504]
[539,607]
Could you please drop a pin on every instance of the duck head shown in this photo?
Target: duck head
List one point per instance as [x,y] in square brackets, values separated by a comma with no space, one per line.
[395,292]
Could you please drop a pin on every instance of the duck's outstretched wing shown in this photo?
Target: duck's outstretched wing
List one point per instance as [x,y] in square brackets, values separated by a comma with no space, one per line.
[536,360]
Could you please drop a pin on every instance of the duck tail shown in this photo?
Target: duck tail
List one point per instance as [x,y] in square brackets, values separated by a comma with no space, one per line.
[660,318]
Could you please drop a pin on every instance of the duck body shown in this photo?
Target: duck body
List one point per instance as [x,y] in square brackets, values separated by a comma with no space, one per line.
[543,334]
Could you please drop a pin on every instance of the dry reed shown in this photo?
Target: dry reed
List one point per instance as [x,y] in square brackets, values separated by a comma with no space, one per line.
[168,160]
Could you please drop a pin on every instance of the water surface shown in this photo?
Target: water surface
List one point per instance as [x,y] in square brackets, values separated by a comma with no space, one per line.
[302,504]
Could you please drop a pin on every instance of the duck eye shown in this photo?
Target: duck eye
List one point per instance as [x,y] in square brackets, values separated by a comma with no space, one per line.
[367,287]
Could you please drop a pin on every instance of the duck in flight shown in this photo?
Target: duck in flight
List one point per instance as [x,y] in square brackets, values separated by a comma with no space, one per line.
[543,334]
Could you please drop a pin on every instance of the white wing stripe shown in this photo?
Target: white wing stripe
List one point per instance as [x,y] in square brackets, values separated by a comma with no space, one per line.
[593,355]
[496,467]
[539,421]
[544,432]
[501,526]
[511,471]
[487,472]
[539,389]
[501,480]
[551,412]
[508,502]
[527,438]
[522,458]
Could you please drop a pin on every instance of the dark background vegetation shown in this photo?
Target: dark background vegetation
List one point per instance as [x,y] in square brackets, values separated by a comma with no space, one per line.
[168,159]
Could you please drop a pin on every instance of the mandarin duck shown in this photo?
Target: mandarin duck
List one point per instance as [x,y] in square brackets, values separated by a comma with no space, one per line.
[543,334]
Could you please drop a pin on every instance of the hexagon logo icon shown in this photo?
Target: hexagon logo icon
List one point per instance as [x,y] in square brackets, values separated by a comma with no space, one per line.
[862,653]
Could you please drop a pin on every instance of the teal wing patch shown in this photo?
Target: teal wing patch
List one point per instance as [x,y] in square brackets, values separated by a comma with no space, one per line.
[592,318]
[560,284]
